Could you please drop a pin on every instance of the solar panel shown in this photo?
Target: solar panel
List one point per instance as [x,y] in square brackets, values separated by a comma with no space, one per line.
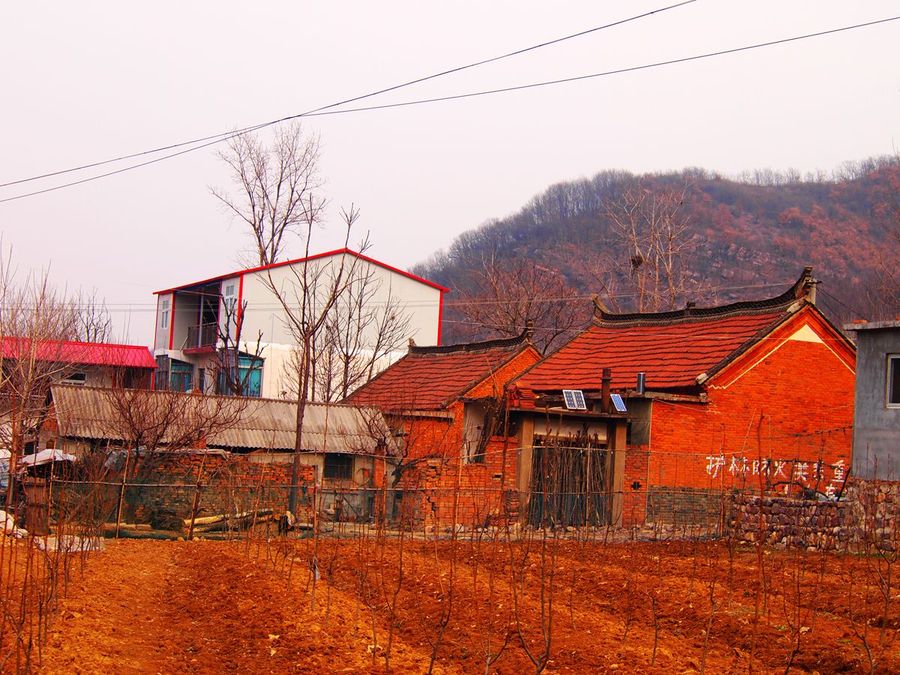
[618,402]
[574,399]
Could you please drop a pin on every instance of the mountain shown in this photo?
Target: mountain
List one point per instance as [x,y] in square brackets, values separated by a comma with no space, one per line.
[737,239]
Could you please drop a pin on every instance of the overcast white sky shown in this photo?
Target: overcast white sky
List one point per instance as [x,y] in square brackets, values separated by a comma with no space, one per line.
[86,81]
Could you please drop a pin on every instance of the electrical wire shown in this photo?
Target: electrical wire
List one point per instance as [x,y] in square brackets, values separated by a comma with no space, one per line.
[225,135]
[617,71]
[486,92]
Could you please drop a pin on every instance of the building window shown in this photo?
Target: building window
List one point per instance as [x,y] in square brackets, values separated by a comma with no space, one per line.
[476,431]
[164,313]
[181,376]
[247,375]
[229,298]
[338,467]
[893,381]
[77,379]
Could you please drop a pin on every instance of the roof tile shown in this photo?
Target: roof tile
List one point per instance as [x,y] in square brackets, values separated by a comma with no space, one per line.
[672,354]
[431,378]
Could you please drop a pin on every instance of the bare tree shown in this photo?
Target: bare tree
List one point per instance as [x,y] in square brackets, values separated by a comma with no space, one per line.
[363,332]
[94,324]
[279,187]
[230,377]
[650,232]
[509,295]
[35,322]
[308,296]
[142,422]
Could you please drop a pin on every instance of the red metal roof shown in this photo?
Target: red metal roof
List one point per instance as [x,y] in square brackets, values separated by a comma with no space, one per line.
[430,378]
[317,256]
[82,353]
[672,354]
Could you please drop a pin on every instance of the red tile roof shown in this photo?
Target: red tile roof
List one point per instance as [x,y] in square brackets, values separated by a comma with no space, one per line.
[430,378]
[671,348]
[671,354]
[82,353]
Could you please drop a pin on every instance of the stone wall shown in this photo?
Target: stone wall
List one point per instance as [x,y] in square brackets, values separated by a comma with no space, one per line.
[684,506]
[866,518]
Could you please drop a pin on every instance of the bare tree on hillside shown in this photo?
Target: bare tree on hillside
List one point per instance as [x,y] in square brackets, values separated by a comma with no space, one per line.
[279,187]
[508,294]
[651,236]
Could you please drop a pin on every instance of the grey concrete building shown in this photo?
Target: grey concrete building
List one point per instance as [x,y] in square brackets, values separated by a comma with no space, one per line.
[876,426]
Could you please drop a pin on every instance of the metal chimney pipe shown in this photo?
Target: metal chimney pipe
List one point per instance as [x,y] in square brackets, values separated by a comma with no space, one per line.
[641,383]
[605,383]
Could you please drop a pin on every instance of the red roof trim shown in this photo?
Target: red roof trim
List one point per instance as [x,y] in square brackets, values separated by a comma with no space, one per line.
[317,256]
[172,322]
[440,318]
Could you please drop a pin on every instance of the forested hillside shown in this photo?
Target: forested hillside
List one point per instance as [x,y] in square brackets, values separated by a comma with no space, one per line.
[656,241]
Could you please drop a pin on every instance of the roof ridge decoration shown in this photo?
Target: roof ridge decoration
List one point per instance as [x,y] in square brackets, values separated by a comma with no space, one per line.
[522,339]
[800,293]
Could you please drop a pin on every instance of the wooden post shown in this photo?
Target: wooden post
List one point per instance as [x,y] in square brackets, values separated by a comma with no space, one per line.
[526,454]
[618,448]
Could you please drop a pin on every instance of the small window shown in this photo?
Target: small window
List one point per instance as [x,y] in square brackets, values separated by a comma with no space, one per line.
[164,313]
[893,381]
[75,378]
[228,295]
[338,467]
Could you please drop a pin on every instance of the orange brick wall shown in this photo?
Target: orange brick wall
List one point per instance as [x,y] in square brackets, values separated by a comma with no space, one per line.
[779,415]
[432,484]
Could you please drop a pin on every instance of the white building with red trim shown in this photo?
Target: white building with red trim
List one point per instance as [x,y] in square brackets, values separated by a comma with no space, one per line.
[193,319]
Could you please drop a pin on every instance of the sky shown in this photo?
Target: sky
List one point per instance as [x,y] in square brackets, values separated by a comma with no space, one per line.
[88,81]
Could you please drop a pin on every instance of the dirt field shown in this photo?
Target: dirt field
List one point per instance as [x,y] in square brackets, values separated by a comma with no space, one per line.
[150,606]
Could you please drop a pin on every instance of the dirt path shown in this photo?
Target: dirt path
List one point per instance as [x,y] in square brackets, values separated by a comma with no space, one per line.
[164,607]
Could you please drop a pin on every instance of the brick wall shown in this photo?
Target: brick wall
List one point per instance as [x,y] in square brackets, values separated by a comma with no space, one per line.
[430,495]
[634,485]
[779,418]
[231,484]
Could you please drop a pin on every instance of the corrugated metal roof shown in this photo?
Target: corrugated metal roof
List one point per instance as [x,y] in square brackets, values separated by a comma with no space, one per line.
[82,353]
[93,413]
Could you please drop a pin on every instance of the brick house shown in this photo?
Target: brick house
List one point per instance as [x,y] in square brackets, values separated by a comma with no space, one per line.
[473,456]
[445,402]
[752,394]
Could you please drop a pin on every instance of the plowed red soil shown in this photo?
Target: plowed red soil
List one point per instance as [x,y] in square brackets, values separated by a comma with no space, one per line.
[153,607]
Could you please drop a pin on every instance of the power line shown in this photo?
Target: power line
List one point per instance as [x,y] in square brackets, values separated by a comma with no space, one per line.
[225,135]
[486,92]
[618,71]
[151,306]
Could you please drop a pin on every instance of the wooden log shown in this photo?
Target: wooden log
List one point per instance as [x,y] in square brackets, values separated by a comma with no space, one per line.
[226,520]
[231,524]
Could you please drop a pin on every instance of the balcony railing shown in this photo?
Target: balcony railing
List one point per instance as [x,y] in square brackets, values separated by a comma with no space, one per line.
[202,335]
